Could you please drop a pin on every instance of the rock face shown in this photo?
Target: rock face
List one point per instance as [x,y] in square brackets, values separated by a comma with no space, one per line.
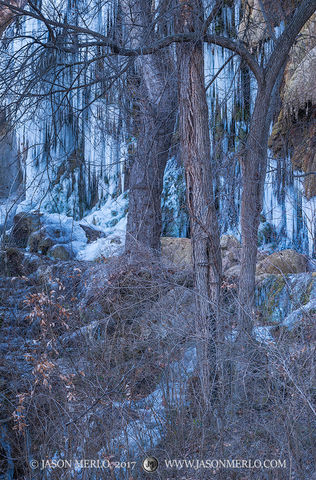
[286,301]
[283,262]
[295,130]
[253,27]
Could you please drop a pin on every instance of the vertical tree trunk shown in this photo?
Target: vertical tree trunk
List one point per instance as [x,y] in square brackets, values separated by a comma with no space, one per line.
[156,102]
[195,153]
[255,161]
[253,177]
[157,105]
[254,166]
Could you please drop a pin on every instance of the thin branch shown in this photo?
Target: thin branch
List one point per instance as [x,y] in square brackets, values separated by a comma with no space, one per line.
[233,45]
[218,5]
[240,49]
[284,43]
[219,71]
[304,174]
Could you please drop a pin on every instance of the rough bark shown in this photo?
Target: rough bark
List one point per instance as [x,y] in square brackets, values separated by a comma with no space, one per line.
[195,153]
[254,163]
[7,16]
[155,129]
[156,104]
[253,176]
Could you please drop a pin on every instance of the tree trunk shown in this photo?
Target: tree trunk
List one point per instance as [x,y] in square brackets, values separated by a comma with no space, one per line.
[146,176]
[253,177]
[156,103]
[254,166]
[195,153]
[255,162]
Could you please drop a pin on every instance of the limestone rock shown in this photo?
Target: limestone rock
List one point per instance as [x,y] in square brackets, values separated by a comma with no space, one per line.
[295,128]
[177,251]
[40,241]
[91,233]
[23,225]
[283,262]
[230,249]
[60,252]
[229,242]
[300,88]
[253,27]
[233,272]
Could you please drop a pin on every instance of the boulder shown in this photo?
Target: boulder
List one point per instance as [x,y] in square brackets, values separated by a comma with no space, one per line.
[23,225]
[230,248]
[230,258]
[177,251]
[16,262]
[233,272]
[40,241]
[229,242]
[91,233]
[285,301]
[283,262]
[60,252]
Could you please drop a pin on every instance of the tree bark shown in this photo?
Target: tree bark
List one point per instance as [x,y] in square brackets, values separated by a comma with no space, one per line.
[254,163]
[157,106]
[195,154]
[7,16]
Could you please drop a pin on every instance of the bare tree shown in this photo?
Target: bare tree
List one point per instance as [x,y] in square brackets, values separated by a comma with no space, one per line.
[155,99]
[195,152]
[254,158]
[156,106]
[7,15]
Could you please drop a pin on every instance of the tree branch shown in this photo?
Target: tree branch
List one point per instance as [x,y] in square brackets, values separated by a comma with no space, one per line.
[219,71]
[283,45]
[300,175]
[218,5]
[233,45]
[240,49]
